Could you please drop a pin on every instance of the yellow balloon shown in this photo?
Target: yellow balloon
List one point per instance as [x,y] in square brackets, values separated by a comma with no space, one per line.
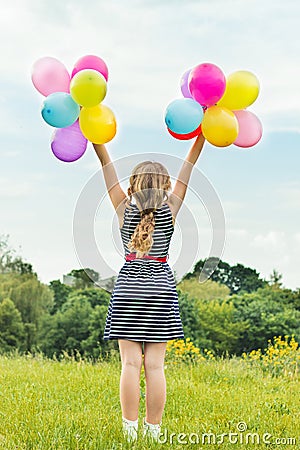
[98,124]
[88,87]
[220,126]
[242,89]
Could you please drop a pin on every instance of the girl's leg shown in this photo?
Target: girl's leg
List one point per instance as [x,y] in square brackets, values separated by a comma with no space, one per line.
[131,357]
[154,355]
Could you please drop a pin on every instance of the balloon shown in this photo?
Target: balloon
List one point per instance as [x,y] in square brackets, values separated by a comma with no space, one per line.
[91,62]
[184,84]
[68,144]
[220,126]
[183,115]
[98,124]
[242,89]
[88,87]
[185,137]
[206,83]
[250,129]
[59,110]
[50,75]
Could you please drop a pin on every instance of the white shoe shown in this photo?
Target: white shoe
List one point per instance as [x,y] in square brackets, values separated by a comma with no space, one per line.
[130,429]
[151,430]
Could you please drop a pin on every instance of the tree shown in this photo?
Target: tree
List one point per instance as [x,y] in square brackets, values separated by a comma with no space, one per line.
[9,262]
[67,328]
[107,284]
[211,323]
[294,298]
[77,325]
[275,278]
[95,345]
[31,297]
[217,322]
[52,335]
[205,291]
[61,292]
[189,316]
[6,253]
[11,326]
[94,296]
[84,277]
[268,313]
[237,278]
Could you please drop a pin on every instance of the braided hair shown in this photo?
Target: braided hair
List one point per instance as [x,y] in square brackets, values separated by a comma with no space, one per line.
[149,184]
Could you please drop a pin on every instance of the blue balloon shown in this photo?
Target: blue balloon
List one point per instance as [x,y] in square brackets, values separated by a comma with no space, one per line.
[184,115]
[59,110]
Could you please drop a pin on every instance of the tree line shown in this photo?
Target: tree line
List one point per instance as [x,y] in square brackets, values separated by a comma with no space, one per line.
[235,311]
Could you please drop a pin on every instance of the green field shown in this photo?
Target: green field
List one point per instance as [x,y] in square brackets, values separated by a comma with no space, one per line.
[74,404]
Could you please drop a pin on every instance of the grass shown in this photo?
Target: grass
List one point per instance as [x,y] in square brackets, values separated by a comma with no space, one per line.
[74,405]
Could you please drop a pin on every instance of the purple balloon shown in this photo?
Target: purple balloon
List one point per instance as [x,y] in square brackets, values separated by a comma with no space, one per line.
[184,86]
[68,144]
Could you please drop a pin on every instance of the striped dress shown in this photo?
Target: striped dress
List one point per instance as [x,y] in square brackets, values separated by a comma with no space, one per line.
[144,303]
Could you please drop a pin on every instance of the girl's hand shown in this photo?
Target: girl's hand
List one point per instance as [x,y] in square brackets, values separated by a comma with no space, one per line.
[196,149]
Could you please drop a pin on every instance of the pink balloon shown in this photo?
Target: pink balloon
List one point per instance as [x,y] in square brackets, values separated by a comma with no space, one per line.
[184,84]
[91,62]
[49,75]
[207,84]
[250,129]
[68,144]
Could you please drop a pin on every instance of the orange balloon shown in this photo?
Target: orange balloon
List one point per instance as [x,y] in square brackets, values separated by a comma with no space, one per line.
[98,124]
[220,126]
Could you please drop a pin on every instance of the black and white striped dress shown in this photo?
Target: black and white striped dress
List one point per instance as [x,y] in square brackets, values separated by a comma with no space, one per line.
[144,303]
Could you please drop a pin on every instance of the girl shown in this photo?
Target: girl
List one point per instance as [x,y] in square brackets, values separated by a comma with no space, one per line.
[143,312]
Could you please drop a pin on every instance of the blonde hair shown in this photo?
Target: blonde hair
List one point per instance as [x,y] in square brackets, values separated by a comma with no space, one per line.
[149,184]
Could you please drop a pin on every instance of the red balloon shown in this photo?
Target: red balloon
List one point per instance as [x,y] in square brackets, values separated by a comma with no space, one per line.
[185,137]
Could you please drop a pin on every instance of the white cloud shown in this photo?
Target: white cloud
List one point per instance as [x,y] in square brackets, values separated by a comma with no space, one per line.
[289,194]
[274,249]
[27,185]
[273,240]
[10,154]
[232,206]
[238,233]
[9,189]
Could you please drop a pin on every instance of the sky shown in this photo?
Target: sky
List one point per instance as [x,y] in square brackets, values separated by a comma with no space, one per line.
[147,46]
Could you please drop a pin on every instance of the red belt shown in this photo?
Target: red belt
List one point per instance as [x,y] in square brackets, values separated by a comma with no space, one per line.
[132,256]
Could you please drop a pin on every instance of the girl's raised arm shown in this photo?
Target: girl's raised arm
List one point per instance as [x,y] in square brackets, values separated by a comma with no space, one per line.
[116,193]
[180,187]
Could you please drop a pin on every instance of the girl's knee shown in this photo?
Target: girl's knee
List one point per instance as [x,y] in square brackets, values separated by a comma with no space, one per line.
[131,354]
[154,358]
[135,362]
[153,364]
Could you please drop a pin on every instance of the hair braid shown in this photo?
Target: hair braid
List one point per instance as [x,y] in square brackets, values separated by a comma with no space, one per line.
[149,183]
